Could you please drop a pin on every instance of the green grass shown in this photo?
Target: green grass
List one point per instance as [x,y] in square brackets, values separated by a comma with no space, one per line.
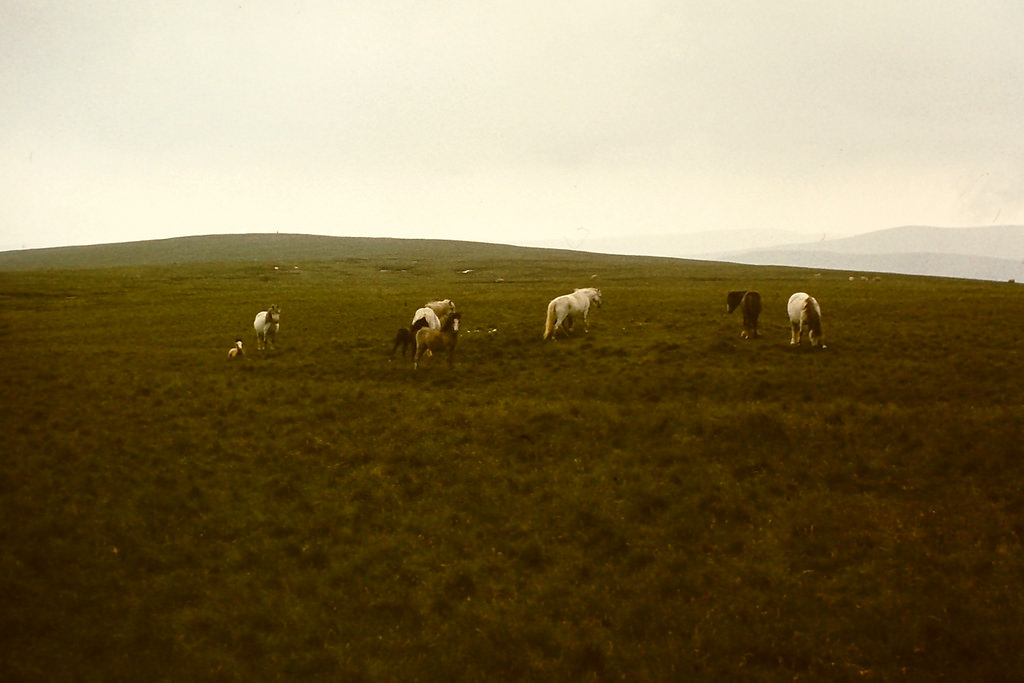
[658,501]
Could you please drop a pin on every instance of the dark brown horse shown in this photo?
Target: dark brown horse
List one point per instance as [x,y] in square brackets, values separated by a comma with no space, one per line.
[750,304]
[405,337]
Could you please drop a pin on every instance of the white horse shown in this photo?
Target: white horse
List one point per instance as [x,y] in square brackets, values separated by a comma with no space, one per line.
[266,325]
[568,305]
[443,308]
[805,315]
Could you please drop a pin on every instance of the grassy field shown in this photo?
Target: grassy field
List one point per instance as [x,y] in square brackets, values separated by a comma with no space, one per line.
[660,500]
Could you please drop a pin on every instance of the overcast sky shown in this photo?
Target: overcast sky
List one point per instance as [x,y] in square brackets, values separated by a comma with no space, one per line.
[506,121]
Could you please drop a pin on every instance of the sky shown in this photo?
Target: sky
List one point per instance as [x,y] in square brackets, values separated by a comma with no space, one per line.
[508,122]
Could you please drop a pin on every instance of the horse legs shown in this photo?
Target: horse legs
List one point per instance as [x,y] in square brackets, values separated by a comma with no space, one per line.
[558,326]
[797,335]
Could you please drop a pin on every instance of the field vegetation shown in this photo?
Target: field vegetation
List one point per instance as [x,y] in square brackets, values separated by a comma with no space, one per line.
[657,500]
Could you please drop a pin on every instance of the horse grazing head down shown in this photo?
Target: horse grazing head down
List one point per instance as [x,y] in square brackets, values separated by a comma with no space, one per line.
[750,303]
[805,316]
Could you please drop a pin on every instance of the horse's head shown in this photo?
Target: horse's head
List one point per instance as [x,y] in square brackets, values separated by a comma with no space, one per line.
[452,324]
[238,344]
[596,296]
[733,300]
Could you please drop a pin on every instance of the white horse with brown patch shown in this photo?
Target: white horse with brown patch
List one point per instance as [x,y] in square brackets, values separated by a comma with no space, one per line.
[425,317]
[432,314]
[805,316]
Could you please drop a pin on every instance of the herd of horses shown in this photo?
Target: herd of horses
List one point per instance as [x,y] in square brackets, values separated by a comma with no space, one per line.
[435,326]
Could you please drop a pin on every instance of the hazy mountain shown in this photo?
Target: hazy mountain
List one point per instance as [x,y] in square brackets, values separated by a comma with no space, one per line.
[986,253]
[685,245]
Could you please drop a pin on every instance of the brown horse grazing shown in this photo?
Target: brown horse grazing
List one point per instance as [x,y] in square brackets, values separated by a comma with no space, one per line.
[437,341]
[405,338]
[750,304]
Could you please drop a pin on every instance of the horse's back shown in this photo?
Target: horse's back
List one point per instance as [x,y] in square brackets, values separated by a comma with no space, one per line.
[442,308]
[429,315]
[752,304]
[797,303]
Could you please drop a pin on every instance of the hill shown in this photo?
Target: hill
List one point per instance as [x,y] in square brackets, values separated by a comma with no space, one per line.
[265,248]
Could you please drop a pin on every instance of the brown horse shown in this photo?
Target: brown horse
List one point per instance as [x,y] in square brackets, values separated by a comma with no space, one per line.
[750,304]
[437,341]
[405,337]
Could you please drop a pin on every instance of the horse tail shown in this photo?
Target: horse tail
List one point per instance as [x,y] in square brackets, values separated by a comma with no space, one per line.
[418,323]
[549,325]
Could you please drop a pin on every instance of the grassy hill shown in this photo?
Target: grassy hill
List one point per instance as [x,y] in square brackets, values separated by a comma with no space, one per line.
[258,248]
[657,500]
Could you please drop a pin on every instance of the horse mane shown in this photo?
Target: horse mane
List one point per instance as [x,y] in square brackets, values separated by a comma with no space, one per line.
[812,315]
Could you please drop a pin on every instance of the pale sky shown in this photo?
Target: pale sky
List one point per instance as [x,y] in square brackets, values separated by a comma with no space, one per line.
[506,121]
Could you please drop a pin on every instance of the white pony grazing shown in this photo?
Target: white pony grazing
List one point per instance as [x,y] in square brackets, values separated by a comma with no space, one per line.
[568,305]
[805,315]
[266,325]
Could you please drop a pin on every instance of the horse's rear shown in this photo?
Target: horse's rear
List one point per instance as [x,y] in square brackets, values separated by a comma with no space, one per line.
[751,306]
[805,315]
[425,317]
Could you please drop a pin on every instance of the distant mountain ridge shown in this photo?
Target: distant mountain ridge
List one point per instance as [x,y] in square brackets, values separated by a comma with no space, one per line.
[983,253]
